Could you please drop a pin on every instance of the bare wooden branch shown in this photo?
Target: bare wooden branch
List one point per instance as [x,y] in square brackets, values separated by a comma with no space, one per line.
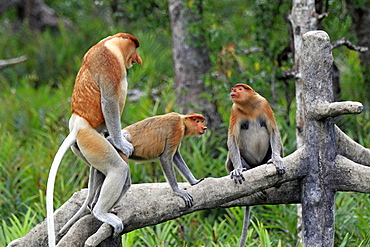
[12,61]
[335,109]
[351,176]
[344,41]
[351,149]
[150,204]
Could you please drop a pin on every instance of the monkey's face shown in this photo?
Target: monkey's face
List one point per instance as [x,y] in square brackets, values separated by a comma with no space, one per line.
[240,93]
[201,128]
[133,57]
[195,126]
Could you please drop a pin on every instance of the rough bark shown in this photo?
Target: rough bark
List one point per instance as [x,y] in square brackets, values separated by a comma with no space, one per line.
[351,149]
[191,61]
[351,176]
[317,198]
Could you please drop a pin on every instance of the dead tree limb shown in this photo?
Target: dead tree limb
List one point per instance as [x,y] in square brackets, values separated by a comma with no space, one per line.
[351,149]
[344,41]
[150,204]
[12,61]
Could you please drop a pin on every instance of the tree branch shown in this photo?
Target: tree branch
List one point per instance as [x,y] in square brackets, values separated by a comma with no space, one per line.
[351,149]
[150,204]
[351,176]
[344,41]
[7,62]
[335,109]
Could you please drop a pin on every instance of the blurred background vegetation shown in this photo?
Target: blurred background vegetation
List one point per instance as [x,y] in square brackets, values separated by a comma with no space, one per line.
[35,108]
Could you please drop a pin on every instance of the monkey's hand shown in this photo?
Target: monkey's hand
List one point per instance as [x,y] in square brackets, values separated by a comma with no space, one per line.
[279,163]
[237,175]
[126,147]
[186,196]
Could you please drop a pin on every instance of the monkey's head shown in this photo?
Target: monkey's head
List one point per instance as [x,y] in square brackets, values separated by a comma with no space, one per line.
[194,124]
[241,93]
[130,49]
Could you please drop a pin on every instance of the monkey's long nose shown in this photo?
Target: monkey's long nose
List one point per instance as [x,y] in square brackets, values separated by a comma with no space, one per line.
[137,59]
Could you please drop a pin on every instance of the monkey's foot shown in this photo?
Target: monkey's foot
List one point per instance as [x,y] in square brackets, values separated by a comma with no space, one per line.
[111,219]
[117,230]
[237,175]
[186,196]
[279,164]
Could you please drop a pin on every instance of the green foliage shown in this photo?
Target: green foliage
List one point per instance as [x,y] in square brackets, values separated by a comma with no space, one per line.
[35,110]
[17,227]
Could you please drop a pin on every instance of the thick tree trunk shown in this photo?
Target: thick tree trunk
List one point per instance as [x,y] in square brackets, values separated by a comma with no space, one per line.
[302,20]
[317,195]
[191,60]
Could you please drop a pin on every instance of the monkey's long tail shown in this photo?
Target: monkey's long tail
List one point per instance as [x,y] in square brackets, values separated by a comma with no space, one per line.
[67,143]
[88,199]
[245,226]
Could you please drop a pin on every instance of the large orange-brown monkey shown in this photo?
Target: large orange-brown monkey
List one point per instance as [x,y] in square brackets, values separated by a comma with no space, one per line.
[155,137]
[98,100]
[253,138]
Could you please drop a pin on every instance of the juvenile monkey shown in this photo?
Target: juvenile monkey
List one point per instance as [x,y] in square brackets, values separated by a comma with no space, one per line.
[98,100]
[155,137]
[253,138]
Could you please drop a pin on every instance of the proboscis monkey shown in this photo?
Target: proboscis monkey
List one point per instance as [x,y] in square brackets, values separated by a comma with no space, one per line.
[98,100]
[253,138]
[156,137]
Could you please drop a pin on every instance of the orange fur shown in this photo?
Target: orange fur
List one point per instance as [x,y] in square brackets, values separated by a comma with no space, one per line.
[160,137]
[249,105]
[155,135]
[103,63]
